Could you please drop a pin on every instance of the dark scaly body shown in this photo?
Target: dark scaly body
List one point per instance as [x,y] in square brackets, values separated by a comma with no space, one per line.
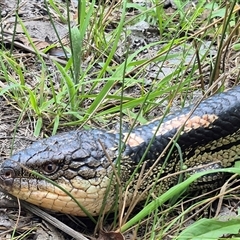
[79,160]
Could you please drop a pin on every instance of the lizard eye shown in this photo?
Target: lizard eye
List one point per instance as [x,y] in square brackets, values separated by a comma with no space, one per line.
[50,167]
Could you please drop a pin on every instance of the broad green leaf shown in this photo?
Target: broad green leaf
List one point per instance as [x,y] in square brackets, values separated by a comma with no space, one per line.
[210,229]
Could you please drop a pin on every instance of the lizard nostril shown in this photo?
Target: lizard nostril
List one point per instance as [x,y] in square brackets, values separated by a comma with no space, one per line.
[7,173]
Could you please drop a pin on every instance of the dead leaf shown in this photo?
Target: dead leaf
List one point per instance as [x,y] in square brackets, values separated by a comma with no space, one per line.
[39,44]
[110,235]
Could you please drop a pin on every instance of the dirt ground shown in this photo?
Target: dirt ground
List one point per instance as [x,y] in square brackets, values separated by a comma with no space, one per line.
[17,127]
